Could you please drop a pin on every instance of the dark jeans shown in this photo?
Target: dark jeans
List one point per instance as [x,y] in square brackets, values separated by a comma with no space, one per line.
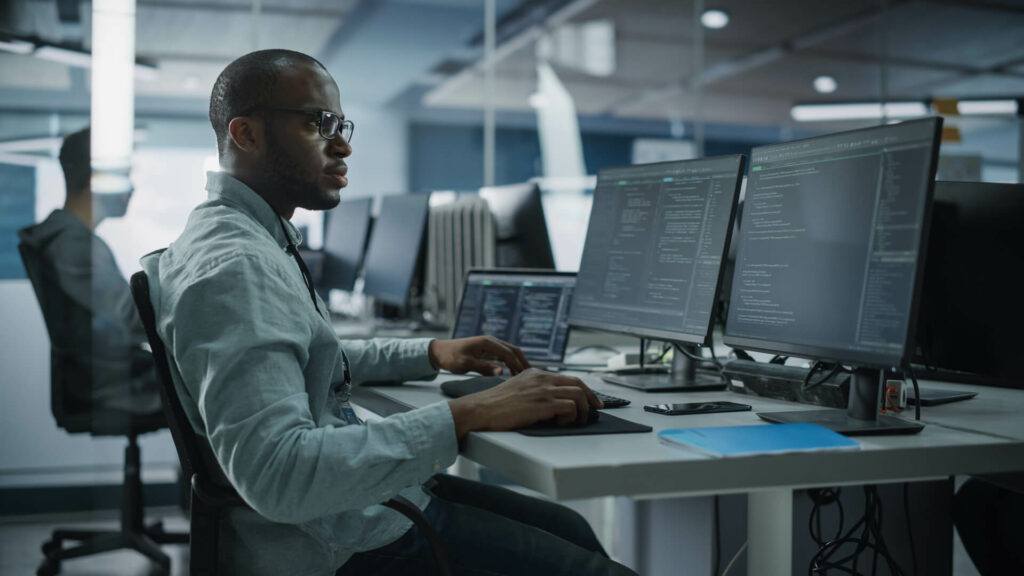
[488,530]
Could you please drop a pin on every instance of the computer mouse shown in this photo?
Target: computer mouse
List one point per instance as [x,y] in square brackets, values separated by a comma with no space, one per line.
[592,417]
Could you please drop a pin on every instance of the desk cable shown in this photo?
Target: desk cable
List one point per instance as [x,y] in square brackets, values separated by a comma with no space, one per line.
[869,538]
[917,392]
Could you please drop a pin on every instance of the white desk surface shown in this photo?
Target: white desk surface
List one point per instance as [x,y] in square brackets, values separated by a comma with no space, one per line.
[996,411]
[979,436]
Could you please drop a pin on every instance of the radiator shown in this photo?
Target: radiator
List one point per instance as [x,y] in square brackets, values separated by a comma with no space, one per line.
[460,236]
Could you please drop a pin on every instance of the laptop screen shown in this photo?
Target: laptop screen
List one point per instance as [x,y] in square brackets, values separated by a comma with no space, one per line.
[524,307]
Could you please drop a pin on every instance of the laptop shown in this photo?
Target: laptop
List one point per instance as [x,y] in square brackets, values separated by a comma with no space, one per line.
[522,306]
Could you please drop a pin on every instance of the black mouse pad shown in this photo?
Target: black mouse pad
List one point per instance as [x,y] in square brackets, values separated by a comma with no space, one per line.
[606,424]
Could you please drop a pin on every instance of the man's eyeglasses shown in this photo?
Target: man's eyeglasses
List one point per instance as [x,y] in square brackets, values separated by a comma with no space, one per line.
[328,123]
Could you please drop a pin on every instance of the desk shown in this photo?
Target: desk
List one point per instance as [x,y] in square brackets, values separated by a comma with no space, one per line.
[638,466]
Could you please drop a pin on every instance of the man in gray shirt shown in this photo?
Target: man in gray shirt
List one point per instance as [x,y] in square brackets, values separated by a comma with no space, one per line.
[265,380]
[99,338]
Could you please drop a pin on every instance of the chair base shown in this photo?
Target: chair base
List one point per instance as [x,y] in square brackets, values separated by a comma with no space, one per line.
[145,542]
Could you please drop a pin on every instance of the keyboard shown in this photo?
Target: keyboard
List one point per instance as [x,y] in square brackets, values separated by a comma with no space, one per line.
[610,401]
[456,388]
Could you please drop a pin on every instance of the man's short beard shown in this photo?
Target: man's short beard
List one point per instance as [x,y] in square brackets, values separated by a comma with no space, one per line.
[283,176]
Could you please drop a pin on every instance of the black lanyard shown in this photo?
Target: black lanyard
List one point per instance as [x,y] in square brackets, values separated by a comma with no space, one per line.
[306,276]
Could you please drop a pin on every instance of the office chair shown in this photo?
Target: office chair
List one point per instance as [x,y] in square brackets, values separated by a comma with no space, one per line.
[212,494]
[71,372]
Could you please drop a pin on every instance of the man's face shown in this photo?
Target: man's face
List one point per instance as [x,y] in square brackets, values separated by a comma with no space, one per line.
[302,169]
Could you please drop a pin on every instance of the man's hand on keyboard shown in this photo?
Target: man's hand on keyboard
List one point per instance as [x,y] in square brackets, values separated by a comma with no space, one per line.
[532,396]
[477,354]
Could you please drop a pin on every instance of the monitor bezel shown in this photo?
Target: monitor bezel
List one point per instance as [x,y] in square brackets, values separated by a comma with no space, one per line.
[671,335]
[530,190]
[387,298]
[858,357]
[364,244]
[954,193]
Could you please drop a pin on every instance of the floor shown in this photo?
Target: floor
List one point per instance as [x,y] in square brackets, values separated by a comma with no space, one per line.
[20,538]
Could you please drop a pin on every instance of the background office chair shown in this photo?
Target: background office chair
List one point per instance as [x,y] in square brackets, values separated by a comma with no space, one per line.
[212,494]
[71,372]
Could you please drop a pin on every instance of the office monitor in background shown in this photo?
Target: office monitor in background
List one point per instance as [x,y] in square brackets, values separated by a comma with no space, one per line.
[346,229]
[969,329]
[520,229]
[394,257]
[652,262]
[831,256]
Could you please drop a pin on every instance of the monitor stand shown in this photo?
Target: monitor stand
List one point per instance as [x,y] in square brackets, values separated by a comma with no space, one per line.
[861,417]
[683,376]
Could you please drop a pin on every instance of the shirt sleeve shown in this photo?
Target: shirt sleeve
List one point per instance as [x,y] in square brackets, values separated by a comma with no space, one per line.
[240,343]
[389,359]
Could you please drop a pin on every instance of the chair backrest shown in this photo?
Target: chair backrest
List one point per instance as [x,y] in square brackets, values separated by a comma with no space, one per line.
[209,496]
[70,365]
[185,440]
[210,493]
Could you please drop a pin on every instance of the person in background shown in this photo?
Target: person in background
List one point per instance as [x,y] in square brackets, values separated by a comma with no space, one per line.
[101,341]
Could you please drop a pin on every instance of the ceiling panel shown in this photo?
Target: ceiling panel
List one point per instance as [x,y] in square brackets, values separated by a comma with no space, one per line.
[225,35]
[960,35]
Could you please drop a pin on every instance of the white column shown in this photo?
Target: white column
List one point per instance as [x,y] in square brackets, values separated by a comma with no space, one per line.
[113,93]
[770,533]
[489,32]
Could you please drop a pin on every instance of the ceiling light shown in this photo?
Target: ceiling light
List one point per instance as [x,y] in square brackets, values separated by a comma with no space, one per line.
[16,46]
[714,19]
[856,111]
[78,58]
[825,84]
[537,100]
[967,107]
[83,59]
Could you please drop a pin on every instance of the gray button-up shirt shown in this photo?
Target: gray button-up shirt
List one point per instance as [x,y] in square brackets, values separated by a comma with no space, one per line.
[261,375]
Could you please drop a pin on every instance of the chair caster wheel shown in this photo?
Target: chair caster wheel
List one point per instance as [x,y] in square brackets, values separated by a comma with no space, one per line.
[48,568]
[49,547]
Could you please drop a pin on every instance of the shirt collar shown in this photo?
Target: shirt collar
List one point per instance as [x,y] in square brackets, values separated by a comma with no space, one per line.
[228,189]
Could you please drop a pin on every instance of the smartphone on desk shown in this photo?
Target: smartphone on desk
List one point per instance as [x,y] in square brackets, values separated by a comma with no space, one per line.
[696,408]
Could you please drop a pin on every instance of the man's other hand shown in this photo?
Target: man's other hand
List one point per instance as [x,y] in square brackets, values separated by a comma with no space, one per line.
[530,397]
[477,354]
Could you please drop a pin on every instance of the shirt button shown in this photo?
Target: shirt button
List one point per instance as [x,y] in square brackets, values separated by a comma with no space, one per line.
[437,466]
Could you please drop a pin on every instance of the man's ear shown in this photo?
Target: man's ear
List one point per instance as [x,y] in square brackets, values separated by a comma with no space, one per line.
[246,133]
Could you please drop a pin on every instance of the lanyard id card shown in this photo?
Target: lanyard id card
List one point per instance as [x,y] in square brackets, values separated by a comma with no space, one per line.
[348,413]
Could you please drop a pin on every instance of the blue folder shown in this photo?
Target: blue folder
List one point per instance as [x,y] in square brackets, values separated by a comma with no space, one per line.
[758,439]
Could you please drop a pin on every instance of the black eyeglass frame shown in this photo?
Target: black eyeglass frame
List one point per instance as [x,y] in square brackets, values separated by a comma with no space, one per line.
[321,117]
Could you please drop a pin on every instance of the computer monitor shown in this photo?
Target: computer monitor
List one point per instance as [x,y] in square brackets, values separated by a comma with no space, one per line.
[346,230]
[395,254]
[652,261]
[969,327]
[520,229]
[830,258]
[527,308]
